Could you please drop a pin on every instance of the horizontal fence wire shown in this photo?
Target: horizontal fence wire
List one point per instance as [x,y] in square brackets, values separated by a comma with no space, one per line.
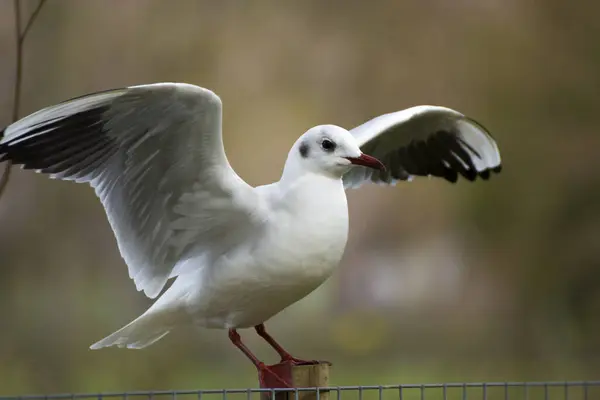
[571,390]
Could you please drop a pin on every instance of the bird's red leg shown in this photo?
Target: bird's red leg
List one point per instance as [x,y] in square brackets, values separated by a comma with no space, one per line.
[260,366]
[285,356]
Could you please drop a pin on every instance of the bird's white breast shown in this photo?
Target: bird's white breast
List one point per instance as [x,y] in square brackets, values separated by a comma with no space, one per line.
[301,246]
[310,233]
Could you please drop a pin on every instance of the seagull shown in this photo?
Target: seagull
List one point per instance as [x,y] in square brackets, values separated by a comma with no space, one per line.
[237,255]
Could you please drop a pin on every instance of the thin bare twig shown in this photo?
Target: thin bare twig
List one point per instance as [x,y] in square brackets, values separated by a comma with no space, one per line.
[32,18]
[18,61]
[20,36]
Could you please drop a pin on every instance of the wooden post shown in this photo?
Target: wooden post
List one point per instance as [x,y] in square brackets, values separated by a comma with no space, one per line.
[300,376]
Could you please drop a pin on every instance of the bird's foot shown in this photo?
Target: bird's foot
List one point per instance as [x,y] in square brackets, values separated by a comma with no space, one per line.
[268,378]
[297,361]
[286,358]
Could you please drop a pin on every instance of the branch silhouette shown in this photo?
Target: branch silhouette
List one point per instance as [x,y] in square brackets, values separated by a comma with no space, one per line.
[20,36]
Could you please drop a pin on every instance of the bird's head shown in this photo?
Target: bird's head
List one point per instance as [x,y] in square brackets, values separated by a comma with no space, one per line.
[329,150]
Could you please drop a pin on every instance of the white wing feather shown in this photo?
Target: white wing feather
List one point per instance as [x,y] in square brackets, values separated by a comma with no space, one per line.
[154,154]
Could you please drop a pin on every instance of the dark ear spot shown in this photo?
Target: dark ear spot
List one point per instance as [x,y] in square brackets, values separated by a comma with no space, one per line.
[304,150]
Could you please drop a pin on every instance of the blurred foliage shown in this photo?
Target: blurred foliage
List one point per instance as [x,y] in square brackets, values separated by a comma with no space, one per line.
[522,301]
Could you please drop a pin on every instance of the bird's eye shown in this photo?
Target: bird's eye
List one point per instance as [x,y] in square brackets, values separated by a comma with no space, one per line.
[328,145]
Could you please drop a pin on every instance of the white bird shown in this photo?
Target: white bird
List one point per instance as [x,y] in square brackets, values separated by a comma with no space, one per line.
[238,254]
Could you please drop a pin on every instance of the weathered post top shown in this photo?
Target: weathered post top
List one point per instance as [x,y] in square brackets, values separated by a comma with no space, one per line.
[309,375]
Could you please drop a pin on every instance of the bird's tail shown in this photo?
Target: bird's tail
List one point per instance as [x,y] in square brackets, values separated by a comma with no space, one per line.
[139,333]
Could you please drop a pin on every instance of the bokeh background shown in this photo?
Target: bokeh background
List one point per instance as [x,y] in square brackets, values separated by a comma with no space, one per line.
[496,280]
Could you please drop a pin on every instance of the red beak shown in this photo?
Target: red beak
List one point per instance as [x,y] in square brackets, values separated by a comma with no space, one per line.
[367,161]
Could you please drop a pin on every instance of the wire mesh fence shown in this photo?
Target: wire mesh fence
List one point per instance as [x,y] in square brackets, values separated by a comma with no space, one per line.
[581,390]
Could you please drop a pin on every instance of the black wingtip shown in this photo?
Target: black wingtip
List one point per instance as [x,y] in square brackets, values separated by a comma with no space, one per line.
[472,176]
[486,174]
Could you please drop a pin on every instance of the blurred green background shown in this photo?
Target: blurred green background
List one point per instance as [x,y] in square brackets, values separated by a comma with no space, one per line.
[488,281]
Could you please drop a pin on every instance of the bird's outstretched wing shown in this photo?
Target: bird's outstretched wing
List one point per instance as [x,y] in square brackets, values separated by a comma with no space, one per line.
[154,154]
[424,141]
